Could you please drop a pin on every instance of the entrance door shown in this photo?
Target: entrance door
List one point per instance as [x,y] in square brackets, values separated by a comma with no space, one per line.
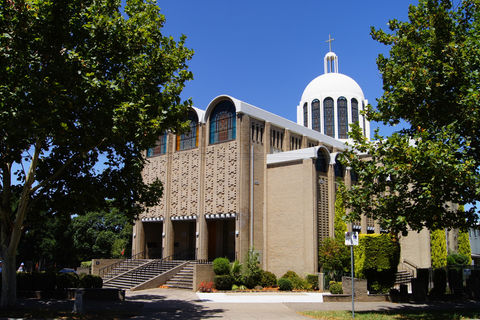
[153,239]
[184,240]
[221,238]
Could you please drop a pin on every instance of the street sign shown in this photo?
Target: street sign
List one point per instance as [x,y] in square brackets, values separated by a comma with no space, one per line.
[351,238]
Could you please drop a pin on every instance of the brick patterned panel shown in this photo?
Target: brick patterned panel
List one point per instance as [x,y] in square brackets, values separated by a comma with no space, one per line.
[156,168]
[221,178]
[322,207]
[184,197]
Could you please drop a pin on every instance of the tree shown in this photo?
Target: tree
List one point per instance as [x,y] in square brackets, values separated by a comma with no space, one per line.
[416,177]
[100,234]
[84,90]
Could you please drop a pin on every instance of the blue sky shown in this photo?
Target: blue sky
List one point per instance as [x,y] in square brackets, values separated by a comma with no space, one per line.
[266,52]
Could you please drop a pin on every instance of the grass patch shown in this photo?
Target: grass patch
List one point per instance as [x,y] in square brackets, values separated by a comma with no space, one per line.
[397,315]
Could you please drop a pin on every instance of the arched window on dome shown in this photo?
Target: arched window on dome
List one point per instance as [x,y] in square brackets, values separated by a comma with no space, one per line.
[342,115]
[321,164]
[305,114]
[189,140]
[316,115]
[328,117]
[223,122]
[363,117]
[354,110]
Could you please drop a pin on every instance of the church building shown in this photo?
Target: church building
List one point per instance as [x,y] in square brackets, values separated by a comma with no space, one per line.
[246,178]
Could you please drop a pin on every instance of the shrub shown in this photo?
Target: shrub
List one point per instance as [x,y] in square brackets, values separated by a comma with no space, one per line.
[43,280]
[312,280]
[334,257]
[376,259]
[456,259]
[252,274]
[25,281]
[90,281]
[284,284]
[297,282]
[335,287]
[464,246]
[268,279]
[221,266]
[235,272]
[66,280]
[223,282]
[86,264]
[205,286]
[438,248]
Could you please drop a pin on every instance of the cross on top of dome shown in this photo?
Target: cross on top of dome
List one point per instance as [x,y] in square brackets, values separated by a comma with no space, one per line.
[329,43]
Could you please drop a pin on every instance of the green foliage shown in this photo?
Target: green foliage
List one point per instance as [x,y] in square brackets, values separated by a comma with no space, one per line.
[376,259]
[85,85]
[312,280]
[223,282]
[438,248]
[334,257]
[339,225]
[464,246]
[268,279]
[252,273]
[285,284]
[430,82]
[297,282]
[90,281]
[66,280]
[101,234]
[236,272]
[456,259]
[221,266]
[86,264]
[335,287]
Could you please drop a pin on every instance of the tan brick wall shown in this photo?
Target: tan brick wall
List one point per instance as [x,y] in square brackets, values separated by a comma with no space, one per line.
[290,219]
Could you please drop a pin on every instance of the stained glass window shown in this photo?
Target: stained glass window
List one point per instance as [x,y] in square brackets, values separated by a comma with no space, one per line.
[305,114]
[339,169]
[316,115]
[321,164]
[342,118]
[328,117]
[223,122]
[160,146]
[354,110]
[189,140]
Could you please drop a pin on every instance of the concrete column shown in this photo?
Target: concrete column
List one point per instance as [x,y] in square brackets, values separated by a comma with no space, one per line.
[168,234]
[243,216]
[201,228]
[331,199]
[286,140]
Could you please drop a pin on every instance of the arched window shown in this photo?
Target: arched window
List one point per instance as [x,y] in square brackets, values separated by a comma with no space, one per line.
[321,164]
[316,115]
[338,168]
[305,114]
[342,116]
[223,122]
[159,148]
[328,117]
[189,140]
[354,110]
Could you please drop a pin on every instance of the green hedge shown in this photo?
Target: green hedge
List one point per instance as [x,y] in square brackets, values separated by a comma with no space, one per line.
[284,284]
[438,248]
[268,279]
[223,282]
[335,287]
[48,281]
[376,259]
[221,266]
[297,282]
[464,246]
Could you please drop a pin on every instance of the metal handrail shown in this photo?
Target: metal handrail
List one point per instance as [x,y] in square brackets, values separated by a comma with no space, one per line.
[105,270]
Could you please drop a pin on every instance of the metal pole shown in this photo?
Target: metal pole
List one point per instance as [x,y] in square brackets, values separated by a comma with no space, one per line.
[353,283]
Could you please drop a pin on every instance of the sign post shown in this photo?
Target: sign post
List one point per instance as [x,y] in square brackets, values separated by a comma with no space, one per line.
[351,239]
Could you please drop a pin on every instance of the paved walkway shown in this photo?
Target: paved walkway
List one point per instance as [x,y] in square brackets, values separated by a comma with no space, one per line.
[184,304]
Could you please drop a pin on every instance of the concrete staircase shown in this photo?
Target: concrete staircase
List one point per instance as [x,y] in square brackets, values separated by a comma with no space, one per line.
[122,267]
[403,277]
[140,274]
[183,279]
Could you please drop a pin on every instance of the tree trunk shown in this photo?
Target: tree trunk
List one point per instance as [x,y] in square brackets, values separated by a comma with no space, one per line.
[9,280]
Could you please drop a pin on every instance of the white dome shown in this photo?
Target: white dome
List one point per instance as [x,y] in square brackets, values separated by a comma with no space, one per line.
[332,84]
